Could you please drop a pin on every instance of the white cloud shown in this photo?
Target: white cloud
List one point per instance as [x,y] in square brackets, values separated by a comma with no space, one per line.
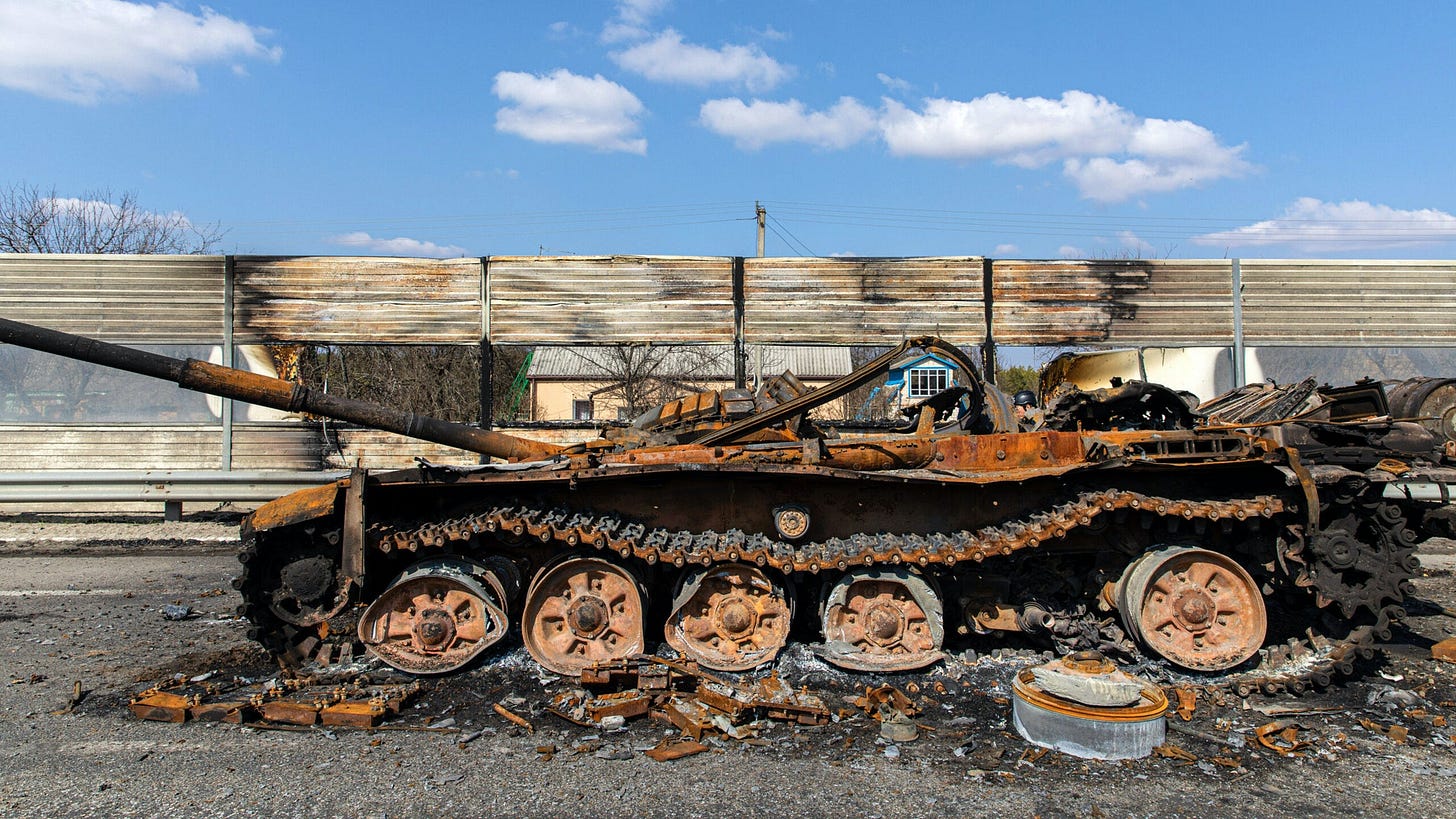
[632,19]
[1005,250]
[1311,224]
[1131,241]
[771,33]
[1023,131]
[1167,155]
[84,50]
[666,58]
[894,83]
[1108,152]
[398,246]
[1071,252]
[640,12]
[759,123]
[562,107]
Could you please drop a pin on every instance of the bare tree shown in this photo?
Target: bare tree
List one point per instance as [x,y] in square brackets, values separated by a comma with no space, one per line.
[436,379]
[637,377]
[36,221]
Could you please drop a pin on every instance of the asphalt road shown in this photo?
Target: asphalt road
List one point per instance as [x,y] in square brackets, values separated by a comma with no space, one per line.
[93,615]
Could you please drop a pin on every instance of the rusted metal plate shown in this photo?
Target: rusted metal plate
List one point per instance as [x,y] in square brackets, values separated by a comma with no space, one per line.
[858,301]
[290,712]
[305,504]
[128,299]
[1313,302]
[233,712]
[610,299]
[161,706]
[353,714]
[625,704]
[350,299]
[1113,302]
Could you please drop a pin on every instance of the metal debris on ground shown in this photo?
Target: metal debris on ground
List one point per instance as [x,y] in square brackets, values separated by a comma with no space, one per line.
[175,612]
[514,718]
[355,702]
[1445,650]
[1174,752]
[668,750]
[1187,702]
[697,702]
[1083,705]
[893,709]
[1396,733]
[1282,736]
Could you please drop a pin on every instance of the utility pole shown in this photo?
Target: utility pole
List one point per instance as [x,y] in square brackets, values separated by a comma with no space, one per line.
[762,216]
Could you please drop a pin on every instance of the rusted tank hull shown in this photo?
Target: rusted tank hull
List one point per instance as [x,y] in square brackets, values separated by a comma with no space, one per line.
[1052,539]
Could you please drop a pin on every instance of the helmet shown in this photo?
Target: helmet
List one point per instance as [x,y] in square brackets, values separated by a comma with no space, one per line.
[1025,398]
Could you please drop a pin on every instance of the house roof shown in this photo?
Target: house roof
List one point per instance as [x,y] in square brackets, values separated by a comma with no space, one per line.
[706,362]
[922,359]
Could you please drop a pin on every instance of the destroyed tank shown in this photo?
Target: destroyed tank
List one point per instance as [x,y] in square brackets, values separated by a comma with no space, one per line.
[725,524]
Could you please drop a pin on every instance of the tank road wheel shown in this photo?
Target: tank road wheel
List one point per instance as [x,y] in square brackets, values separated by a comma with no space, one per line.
[580,611]
[1195,608]
[436,616]
[883,619]
[730,617]
[308,591]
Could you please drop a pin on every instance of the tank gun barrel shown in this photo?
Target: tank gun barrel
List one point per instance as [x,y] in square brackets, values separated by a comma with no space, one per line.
[228,382]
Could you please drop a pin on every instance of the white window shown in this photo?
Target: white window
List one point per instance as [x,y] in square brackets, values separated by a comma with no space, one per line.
[581,410]
[924,382]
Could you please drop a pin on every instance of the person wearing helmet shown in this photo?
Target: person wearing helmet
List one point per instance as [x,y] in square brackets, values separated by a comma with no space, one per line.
[1023,405]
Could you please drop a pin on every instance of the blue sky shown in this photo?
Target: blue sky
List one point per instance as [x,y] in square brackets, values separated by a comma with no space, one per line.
[1018,130]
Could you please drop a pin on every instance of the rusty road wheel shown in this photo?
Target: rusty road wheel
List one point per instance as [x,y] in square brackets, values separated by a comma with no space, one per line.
[436,617]
[580,611]
[1197,609]
[730,617]
[883,619]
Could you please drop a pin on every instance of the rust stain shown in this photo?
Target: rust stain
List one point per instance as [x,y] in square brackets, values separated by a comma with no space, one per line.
[305,504]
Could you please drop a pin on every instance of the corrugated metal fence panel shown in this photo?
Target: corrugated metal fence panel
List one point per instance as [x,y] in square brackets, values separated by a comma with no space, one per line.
[356,300]
[110,446]
[1118,302]
[386,450]
[610,299]
[1349,302]
[863,301]
[126,299]
[282,445]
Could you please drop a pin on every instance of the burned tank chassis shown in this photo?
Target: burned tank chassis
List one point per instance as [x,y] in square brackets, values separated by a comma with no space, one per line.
[956,530]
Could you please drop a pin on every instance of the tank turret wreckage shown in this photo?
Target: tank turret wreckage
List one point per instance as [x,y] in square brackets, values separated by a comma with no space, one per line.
[1266,543]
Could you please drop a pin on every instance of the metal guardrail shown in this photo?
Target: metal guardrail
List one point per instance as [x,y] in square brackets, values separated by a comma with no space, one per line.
[171,487]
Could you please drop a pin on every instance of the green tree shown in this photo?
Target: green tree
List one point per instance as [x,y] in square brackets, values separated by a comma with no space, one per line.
[1012,380]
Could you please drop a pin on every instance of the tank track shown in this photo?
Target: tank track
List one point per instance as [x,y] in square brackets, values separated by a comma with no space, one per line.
[1299,664]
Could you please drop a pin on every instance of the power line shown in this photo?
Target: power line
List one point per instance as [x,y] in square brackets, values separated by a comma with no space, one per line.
[803,248]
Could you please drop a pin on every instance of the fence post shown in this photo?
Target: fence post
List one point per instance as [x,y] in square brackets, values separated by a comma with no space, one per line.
[740,351]
[487,352]
[1240,378]
[228,277]
[988,347]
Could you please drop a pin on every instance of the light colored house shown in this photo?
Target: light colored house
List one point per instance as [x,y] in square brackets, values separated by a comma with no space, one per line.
[910,379]
[614,383]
